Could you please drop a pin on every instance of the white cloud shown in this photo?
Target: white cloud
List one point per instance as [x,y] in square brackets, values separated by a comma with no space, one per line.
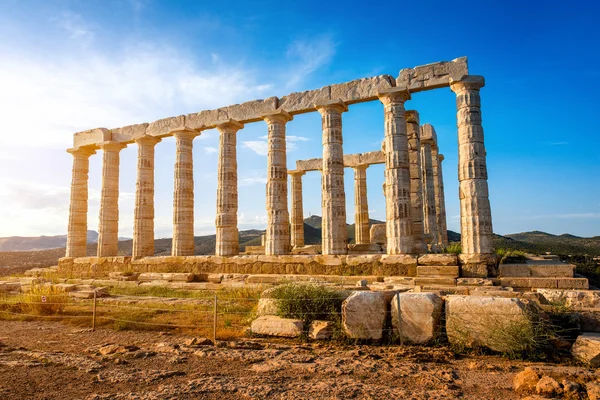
[210,150]
[261,148]
[77,29]
[292,138]
[252,180]
[309,55]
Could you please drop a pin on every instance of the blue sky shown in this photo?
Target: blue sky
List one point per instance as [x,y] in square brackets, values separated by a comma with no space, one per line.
[67,66]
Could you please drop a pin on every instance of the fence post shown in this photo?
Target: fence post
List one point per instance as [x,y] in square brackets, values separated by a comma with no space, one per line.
[215,322]
[94,313]
[399,319]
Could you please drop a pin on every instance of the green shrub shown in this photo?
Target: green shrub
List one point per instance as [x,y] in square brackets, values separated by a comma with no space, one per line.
[453,248]
[510,256]
[308,302]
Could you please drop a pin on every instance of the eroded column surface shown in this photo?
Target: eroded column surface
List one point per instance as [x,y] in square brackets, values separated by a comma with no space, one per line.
[183,195]
[108,230]
[143,213]
[416,188]
[397,177]
[333,204]
[78,208]
[277,239]
[440,201]
[475,214]
[361,205]
[227,191]
[297,214]
[428,143]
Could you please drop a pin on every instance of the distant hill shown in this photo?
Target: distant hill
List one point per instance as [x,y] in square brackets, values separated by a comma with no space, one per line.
[559,244]
[23,243]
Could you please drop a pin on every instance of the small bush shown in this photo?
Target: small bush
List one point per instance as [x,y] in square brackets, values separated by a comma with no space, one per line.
[55,300]
[308,302]
[453,248]
[510,256]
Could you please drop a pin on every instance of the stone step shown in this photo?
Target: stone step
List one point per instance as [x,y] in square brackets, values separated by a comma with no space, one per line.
[545,283]
[437,259]
[439,271]
[435,281]
[537,270]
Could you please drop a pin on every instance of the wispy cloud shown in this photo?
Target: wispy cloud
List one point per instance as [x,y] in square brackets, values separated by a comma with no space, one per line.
[210,150]
[77,29]
[308,55]
[261,147]
[590,215]
[555,143]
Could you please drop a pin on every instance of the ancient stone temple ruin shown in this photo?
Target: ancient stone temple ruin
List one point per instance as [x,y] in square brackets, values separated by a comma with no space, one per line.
[414,190]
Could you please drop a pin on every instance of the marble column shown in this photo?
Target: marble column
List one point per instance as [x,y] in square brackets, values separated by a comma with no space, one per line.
[143,213]
[297,215]
[416,187]
[78,208]
[227,243]
[183,195]
[475,214]
[334,234]
[361,206]
[440,201]
[397,176]
[428,143]
[277,239]
[108,231]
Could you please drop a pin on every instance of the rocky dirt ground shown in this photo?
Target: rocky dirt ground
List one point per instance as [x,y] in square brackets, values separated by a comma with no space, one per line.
[49,360]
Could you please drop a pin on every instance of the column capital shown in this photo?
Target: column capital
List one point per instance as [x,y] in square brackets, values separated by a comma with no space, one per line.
[111,146]
[467,82]
[147,140]
[281,116]
[441,157]
[412,116]
[295,172]
[331,105]
[229,125]
[428,135]
[82,151]
[184,132]
[360,167]
[394,94]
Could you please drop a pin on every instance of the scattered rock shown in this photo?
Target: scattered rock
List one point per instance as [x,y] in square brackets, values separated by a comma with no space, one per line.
[198,342]
[275,326]
[548,387]
[320,330]
[420,315]
[593,390]
[363,315]
[571,389]
[526,381]
[587,349]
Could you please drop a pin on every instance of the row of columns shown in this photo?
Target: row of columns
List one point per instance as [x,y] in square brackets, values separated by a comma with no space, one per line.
[403,178]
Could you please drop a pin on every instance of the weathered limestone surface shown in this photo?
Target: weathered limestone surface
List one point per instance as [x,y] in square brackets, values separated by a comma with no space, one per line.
[166,276]
[437,259]
[227,191]
[420,316]
[397,177]
[377,234]
[183,195]
[572,298]
[297,214]
[275,326]
[129,133]
[440,200]
[91,137]
[416,188]
[167,126]
[363,315]
[428,144]
[499,324]
[475,213]
[108,230]
[77,237]
[332,180]
[432,76]
[587,349]
[320,330]
[361,205]
[277,240]
[143,218]
[350,161]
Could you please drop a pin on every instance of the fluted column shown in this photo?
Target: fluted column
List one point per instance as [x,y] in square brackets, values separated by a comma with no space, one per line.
[297,214]
[428,142]
[78,208]
[440,202]
[475,214]
[397,177]
[334,234]
[416,187]
[108,231]
[361,206]
[227,243]
[183,194]
[278,219]
[143,213]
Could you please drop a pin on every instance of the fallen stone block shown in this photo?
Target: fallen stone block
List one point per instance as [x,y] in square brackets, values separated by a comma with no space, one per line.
[363,315]
[572,298]
[552,270]
[65,287]
[474,282]
[169,277]
[255,250]
[450,271]
[431,281]
[587,349]
[514,270]
[526,380]
[572,283]
[275,326]
[214,278]
[124,276]
[307,250]
[420,315]
[320,330]
[500,324]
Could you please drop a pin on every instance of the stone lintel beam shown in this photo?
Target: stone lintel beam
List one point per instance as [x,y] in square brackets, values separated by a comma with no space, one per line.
[425,77]
[350,161]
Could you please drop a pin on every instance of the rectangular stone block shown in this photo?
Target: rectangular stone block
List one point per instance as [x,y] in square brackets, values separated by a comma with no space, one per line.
[361,89]
[438,259]
[432,76]
[430,281]
[552,270]
[303,102]
[514,270]
[164,127]
[437,271]
[91,136]
[252,111]
[572,283]
[129,133]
